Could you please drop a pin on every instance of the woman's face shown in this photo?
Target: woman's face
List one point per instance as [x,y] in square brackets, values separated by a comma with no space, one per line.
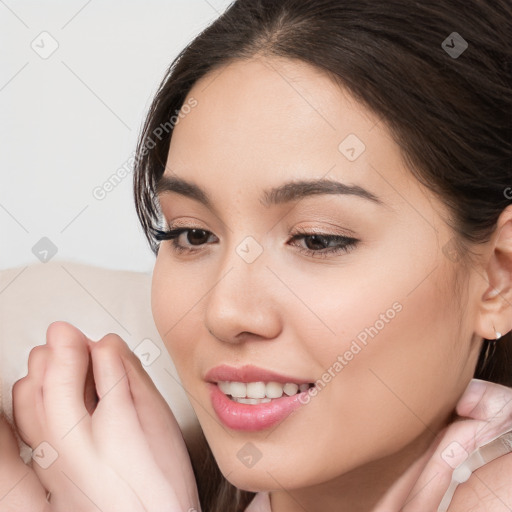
[376,325]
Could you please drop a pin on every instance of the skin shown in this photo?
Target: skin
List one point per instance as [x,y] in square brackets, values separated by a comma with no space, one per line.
[115,444]
[258,124]
[372,450]
[485,411]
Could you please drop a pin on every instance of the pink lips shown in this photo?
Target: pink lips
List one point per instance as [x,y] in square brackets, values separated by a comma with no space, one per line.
[249,373]
[245,416]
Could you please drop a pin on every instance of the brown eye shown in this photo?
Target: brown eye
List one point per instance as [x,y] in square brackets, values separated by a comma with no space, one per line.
[197,236]
[318,242]
[323,245]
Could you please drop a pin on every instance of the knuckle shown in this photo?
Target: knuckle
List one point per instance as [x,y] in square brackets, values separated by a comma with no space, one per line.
[36,356]
[61,334]
[22,387]
[111,343]
[55,329]
[496,404]
[18,388]
[22,394]
[456,436]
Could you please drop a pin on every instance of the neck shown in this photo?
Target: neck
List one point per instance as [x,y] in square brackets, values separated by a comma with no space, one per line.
[379,486]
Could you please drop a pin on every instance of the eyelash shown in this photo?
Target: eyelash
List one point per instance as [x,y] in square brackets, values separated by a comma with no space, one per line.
[345,243]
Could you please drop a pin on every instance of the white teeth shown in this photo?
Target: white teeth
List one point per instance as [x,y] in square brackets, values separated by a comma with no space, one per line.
[256,389]
[259,392]
[291,389]
[238,389]
[225,387]
[274,390]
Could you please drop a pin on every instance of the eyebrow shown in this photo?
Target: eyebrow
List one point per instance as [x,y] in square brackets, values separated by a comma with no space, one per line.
[287,192]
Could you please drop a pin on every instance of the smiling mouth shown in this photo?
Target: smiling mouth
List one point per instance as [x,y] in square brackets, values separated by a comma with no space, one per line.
[253,393]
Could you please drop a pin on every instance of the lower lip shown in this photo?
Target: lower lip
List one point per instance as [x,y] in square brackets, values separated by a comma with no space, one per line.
[253,417]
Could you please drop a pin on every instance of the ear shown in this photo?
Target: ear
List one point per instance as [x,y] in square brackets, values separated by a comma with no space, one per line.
[495,304]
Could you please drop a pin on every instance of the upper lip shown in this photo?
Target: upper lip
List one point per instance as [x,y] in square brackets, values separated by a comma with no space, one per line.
[249,373]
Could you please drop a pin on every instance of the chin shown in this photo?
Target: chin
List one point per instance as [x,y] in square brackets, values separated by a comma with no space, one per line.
[250,482]
[262,476]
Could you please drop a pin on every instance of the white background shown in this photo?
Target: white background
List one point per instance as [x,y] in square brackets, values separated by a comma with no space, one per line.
[71,120]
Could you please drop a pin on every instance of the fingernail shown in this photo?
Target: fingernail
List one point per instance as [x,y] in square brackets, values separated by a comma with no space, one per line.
[476,386]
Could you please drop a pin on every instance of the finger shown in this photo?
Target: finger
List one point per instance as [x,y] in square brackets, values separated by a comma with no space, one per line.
[28,410]
[37,362]
[436,476]
[23,407]
[147,399]
[122,440]
[490,403]
[64,379]
[487,407]
[162,431]
[111,381]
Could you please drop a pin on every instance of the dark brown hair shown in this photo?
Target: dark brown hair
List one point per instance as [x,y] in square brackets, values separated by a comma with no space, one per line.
[450,112]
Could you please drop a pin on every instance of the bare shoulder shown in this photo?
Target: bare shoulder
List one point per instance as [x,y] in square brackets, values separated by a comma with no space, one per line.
[489,489]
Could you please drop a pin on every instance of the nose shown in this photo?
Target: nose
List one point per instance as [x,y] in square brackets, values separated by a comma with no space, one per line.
[243,303]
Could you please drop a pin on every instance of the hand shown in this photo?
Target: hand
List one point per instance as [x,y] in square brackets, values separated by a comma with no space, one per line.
[20,489]
[103,436]
[485,409]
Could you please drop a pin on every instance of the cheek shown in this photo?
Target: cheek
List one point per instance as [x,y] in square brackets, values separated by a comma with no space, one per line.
[174,303]
[392,371]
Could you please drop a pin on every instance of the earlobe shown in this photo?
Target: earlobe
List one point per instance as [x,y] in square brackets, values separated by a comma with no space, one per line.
[495,307]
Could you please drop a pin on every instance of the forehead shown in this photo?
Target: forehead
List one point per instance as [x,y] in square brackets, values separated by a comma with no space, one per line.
[275,105]
[263,121]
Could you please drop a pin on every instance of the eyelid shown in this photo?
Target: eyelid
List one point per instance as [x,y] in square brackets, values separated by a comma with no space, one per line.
[333,230]
[184,223]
